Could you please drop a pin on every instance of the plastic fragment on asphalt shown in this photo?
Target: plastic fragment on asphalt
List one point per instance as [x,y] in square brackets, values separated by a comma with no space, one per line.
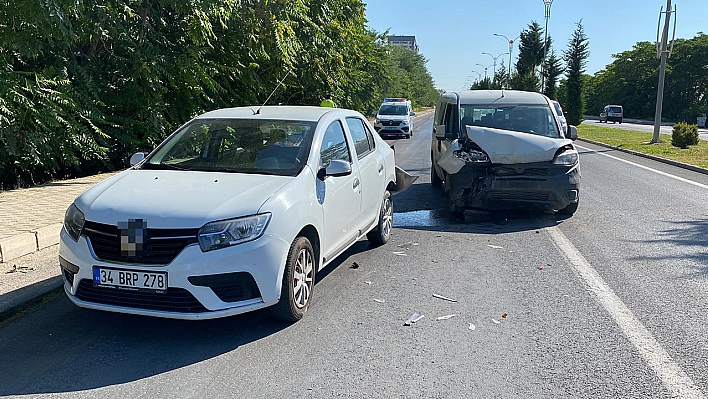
[472,327]
[542,268]
[368,282]
[354,266]
[408,244]
[447,317]
[504,316]
[415,244]
[494,246]
[496,321]
[414,318]
[400,253]
[434,261]
[379,300]
[444,297]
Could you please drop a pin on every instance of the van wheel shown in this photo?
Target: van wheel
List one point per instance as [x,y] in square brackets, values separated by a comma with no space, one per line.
[435,180]
[298,282]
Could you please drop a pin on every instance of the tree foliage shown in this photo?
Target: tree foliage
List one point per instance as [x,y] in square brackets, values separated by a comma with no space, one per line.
[576,57]
[552,70]
[84,84]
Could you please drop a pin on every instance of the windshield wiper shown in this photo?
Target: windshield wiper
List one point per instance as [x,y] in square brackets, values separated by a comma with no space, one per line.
[161,166]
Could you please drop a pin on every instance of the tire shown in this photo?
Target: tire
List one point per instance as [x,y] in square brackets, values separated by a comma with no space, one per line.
[570,209]
[457,213]
[435,180]
[382,233]
[298,281]
[408,136]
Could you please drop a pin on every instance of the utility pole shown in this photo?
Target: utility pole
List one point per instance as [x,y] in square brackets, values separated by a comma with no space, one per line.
[664,53]
[548,4]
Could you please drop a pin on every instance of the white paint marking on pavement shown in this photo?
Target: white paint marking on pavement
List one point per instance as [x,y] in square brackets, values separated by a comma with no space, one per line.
[676,381]
[647,168]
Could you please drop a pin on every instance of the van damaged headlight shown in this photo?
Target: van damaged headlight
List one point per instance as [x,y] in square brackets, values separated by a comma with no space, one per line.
[569,158]
[74,222]
[230,232]
[472,156]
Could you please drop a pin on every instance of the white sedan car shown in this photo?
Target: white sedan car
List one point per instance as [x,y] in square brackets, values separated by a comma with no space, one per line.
[235,211]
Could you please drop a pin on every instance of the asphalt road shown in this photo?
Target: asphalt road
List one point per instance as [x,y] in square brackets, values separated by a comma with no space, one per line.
[702,133]
[610,303]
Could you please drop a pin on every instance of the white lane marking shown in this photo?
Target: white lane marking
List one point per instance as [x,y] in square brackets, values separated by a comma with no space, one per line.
[676,381]
[647,168]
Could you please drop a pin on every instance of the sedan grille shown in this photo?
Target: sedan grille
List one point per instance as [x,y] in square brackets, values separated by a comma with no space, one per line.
[161,246]
[173,300]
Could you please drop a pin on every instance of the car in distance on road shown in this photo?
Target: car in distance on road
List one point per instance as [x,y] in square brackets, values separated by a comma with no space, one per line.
[235,211]
[612,113]
[501,149]
[395,118]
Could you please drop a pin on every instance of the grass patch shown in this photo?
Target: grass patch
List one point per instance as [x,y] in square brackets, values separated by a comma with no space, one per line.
[639,141]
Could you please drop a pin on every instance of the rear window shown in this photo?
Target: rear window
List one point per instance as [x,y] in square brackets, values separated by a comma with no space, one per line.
[616,109]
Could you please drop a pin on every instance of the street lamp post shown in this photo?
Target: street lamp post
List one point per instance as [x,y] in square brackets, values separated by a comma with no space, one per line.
[495,62]
[664,52]
[548,4]
[511,49]
[485,70]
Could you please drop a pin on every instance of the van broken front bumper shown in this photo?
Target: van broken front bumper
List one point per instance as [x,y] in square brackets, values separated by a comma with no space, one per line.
[501,186]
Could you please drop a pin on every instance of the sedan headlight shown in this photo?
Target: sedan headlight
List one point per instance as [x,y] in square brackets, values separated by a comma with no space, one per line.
[74,222]
[569,158]
[230,232]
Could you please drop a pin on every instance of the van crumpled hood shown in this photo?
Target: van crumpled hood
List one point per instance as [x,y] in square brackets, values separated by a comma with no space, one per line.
[508,147]
[177,199]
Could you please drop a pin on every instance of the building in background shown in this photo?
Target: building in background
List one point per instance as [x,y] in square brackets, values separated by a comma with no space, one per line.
[404,41]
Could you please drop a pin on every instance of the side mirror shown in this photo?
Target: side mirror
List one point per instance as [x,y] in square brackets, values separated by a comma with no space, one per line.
[440,132]
[137,158]
[412,113]
[572,132]
[336,168]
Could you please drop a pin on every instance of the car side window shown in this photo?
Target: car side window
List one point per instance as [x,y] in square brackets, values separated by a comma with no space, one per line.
[362,145]
[334,145]
[369,135]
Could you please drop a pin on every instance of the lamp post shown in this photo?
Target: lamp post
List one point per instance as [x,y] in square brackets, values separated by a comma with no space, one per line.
[495,62]
[548,4]
[485,70]
[511,49]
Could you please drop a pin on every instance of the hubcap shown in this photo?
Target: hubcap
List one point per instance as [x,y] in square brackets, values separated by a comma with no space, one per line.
[303,278]
[387,219]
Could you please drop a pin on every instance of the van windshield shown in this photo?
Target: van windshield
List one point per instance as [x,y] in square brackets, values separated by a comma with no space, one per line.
[533,119]
[393,109]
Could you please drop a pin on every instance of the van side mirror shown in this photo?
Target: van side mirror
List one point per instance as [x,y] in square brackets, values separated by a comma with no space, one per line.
[440,132]
[137,158]
[412,113]
[572,133]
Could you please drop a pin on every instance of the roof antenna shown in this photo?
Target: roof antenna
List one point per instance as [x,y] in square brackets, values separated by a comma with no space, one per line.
[258,111]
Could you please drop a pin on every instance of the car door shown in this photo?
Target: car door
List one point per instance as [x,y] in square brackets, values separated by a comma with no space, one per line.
[339,196]
[371,171]
[448,120]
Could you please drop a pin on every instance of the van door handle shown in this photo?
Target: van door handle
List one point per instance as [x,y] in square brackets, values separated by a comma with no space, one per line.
[381,168]
[356,184]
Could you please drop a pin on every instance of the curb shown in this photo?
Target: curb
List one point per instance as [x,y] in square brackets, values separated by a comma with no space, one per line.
[652,157]
[27,243]
[17,302]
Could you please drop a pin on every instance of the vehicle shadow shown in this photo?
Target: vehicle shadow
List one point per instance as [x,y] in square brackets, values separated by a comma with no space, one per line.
[72,349]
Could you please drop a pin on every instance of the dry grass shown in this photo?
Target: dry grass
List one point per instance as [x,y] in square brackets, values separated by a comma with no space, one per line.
[639,141]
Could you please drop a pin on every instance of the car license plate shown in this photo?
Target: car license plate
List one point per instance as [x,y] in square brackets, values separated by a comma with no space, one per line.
[390,128]
[131,280]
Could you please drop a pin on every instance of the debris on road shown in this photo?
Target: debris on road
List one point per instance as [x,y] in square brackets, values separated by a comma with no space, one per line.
[414,318]
[21,269]
[472,327]
[400,253]
[368,282]
[447,317]
[444,297]
[354,266]
[379,300]
[434,261]
[496,321]
[505,315]
[494,246]
[542,268]
[408,244]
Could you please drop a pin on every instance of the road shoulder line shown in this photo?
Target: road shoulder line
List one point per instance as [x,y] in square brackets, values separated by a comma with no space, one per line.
[669,372]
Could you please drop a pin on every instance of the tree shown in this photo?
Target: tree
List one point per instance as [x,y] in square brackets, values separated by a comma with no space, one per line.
[576,58]
[552,70]
[501,77]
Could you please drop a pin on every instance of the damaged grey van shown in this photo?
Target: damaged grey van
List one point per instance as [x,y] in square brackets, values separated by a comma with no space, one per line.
[503,149]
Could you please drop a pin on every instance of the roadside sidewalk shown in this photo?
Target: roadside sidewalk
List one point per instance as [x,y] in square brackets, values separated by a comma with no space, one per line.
[30,221]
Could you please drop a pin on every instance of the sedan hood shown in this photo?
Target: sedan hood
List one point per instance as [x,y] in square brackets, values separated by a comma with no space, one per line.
[508,147]
[177,199]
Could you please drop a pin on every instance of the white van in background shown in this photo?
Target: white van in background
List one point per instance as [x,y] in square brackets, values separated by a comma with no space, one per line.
[395,118]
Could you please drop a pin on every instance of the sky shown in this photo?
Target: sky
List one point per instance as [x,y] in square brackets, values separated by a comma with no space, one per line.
[453,34]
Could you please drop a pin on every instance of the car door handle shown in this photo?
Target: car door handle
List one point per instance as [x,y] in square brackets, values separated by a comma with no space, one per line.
[381,168]
[356,184]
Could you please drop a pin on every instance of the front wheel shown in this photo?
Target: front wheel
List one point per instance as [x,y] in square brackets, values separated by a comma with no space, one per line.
[435,180]
[382,233]
[298,281]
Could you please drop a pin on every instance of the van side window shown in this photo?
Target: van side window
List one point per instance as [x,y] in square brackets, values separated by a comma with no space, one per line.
[451,121]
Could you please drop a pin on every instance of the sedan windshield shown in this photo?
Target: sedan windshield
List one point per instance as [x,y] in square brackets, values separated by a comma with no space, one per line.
[533,119]
[272,147]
